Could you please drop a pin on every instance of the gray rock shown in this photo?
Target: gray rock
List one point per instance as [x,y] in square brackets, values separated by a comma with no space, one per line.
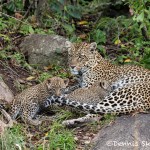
[127,133]
[6,94]
[43,50]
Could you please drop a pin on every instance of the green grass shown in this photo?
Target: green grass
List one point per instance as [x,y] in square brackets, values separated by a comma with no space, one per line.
[58,138]
[12,139]
[61,138]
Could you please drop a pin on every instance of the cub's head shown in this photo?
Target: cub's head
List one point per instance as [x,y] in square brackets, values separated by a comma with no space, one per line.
[103,88]
[81,56]
[105,85]
[56,85]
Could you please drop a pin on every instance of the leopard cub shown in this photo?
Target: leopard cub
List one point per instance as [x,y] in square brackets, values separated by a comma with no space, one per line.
[94,94]
[27,103]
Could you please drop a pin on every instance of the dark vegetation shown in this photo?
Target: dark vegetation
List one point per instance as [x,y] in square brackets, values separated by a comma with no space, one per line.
[121,29]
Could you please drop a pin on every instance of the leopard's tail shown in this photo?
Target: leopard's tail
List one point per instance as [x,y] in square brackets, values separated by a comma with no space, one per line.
[104,107]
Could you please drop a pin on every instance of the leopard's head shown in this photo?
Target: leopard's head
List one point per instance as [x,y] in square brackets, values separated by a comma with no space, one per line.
[82,56]
[56,85]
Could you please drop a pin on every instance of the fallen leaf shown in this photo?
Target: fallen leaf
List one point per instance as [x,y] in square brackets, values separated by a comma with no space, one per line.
[82,23]
[127,60]
[46,68]
[18,16]
[122,45]
[30,78]
[117,42]
[46,134]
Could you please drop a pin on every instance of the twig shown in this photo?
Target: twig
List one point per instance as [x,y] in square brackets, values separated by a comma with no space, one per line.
[14,18]
[8,117]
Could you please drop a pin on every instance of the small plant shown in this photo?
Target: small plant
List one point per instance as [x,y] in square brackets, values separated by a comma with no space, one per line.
[145,61]
[140,12]
[99,37]
[44,76]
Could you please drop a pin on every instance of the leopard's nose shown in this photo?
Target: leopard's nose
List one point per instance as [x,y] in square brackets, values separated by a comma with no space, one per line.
[72,67]
[58,93]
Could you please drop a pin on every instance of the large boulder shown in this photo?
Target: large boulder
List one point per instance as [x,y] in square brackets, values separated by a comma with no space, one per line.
[43,50]
[127,133]
[6,94]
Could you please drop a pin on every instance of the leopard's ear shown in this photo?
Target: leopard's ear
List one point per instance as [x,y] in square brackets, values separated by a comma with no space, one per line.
[103,84]
[66,81]
[48,81]
[93,46]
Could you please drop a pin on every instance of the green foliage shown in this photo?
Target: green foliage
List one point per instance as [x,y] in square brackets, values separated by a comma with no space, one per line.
[12,6]
[145,61]
[119,28]
[65,12]
[16,57]
[61,138]
[69,28]
[26,29]
[99,37]
[44,76]
[19,58]
[141,13]
[125,33]
[7,24]
[11,25]
[3,25]
[65,9]
[12,139]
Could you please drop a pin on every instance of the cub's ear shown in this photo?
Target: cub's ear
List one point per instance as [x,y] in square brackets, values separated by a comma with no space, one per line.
[66,81]
[48,83]
[104,84]
[93,46]
[101,84]
[48,80]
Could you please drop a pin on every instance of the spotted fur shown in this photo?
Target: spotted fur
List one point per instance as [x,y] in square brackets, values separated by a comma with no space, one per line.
[130,83]
[93,94]
[27,103]
[85,61]
[131,98]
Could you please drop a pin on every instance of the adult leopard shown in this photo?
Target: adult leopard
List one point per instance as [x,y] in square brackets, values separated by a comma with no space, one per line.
[84,60]
[131,84]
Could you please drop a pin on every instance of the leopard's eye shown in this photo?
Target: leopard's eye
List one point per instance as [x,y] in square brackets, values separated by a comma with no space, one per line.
[70,55]
[80,56]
